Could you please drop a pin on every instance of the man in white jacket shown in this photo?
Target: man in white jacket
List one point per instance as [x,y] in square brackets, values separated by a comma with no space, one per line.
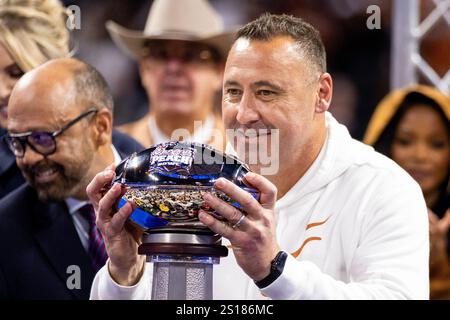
[348,223]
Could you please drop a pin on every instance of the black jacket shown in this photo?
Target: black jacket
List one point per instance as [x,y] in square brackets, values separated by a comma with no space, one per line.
[10,176]
[39,244]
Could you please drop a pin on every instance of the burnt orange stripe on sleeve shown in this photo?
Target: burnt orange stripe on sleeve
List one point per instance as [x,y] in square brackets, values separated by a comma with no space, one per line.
[296,253]
[315,224]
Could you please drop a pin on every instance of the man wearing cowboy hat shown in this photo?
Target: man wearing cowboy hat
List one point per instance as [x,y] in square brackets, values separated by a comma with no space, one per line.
[180,53]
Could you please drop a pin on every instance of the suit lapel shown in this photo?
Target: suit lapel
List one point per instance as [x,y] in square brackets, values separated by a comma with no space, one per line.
[56,235]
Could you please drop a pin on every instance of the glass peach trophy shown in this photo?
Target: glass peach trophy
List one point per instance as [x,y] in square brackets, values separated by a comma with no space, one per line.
[167,183]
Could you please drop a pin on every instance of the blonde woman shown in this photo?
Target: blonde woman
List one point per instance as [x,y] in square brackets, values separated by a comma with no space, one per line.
[31,33]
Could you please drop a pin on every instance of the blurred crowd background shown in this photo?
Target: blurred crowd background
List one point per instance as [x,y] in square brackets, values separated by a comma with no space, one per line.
[358,58]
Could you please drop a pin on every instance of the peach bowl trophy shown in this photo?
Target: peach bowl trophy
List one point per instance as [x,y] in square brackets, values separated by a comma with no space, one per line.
[167,183]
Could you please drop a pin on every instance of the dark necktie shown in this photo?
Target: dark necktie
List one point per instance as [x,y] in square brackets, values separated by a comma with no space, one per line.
[96,250]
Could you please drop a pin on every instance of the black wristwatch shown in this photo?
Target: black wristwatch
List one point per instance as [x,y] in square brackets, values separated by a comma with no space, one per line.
[276,269]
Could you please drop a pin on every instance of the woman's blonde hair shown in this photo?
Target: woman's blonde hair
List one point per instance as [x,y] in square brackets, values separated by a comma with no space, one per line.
[34,31]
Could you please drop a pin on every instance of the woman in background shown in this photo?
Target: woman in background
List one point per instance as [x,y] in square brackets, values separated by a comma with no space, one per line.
[412,127]
[31,33]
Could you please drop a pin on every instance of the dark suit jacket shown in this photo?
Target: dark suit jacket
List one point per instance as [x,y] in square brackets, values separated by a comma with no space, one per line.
[10,176]
[39,242]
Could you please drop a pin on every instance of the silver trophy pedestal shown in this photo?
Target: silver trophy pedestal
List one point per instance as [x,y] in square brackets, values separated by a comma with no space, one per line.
[183,260]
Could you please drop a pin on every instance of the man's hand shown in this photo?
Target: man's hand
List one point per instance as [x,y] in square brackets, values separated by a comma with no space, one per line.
[254,241]
[121,240]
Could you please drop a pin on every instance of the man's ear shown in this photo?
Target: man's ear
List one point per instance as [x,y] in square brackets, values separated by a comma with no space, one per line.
[324,93]
[103,126]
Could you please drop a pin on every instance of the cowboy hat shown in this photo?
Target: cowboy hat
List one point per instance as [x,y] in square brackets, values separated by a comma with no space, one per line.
[186,20]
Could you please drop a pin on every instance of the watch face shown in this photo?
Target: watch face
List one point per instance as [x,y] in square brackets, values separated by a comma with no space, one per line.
[168,180]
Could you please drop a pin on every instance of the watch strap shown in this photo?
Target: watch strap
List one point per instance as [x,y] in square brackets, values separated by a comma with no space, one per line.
[276,269]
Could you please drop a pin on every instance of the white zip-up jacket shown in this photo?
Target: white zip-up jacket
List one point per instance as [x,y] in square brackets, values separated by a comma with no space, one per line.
[355,225]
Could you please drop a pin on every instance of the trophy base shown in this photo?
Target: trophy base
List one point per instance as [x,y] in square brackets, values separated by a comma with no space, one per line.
[183,260]
[182,241]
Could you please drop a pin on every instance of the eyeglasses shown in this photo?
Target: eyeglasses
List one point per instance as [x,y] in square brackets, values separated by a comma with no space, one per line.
[190,54]
[41,142]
